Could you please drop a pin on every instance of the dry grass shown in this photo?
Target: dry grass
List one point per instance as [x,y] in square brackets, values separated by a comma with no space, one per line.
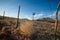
[28,29]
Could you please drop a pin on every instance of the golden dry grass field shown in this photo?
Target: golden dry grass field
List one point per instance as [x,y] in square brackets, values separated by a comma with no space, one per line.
[40,29]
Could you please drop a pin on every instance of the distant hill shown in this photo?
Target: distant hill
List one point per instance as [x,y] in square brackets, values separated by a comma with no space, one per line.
[47,20]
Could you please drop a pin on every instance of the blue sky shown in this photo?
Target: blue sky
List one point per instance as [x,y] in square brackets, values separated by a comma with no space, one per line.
[41,8]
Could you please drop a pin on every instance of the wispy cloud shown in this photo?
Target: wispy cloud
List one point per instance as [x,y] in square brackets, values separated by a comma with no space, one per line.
[26,17]
[43,15]
[39,15]
[53,14]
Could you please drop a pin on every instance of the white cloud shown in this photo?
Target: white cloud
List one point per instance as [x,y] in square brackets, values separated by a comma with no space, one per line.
[1,13]
[53,14]
[26,17]
[31,16]
[40,15]
[43,15]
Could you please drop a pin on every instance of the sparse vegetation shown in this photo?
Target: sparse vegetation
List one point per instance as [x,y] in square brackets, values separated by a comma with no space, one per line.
[28,30]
